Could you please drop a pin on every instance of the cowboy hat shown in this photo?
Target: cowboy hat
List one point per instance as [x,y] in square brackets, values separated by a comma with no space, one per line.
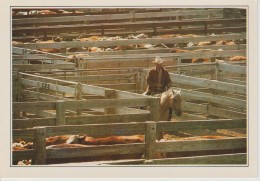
[158,60]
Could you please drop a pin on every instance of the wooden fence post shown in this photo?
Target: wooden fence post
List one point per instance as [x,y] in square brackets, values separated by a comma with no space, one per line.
[110,94]
[79,95]
[60,113]
[154,109]
[150,140]
[39,146]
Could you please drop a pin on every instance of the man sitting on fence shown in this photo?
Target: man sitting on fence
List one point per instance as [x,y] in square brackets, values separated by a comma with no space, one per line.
[158,78]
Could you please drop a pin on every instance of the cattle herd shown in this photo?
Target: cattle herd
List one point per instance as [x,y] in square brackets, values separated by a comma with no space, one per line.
[78,141]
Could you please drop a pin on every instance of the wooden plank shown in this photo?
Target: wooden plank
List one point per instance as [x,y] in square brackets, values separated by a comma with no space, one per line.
[232,68]
[150,138]
[43,66]
[22,155]
[90,89]
[42,96]
[225,113]
[39,145]
[132,42]
[129,95]
[200,145]
[24,134]
[195,95]
[98,77]
[119,86]
[33,106]
[125,118]
[19,51]
[137,110]
[115,129]
[49,86]
[232,81]
[231,159]
[60,113]
[96,150]
[46,79]
[112,16]
[104,103]
[213,84]
[135,58]
[202,124]
[134,25]
[32,122]
[154,109]
[110,94]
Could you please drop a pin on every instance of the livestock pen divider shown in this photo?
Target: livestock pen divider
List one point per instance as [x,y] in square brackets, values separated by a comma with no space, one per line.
[150,147]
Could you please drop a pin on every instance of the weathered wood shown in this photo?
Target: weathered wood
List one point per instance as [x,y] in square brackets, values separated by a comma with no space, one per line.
[48,86]
[42,96]
[232,81]
[22,155]
[60,113]
[154,109]
[98,77]
[132,25]
[43,66]
[90,89]
[232,68]
[39,146]
[32,122]
[125,118]
[239,158]
[126,110]
[150,138]
[115,129]
[214,111]
[29,106]
[201,124]
[96,150]
[226,113]
[48,79]
[112,16]
[119,86]
[129,95]
[195,95]
[110,94]
[104,103]
[213,84]
[200,145]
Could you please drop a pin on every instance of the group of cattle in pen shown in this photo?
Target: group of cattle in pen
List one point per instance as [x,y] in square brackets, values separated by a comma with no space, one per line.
[83,141]
[173,48]
[20,12]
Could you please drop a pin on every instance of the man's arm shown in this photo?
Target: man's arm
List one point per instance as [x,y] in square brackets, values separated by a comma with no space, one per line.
[149,79]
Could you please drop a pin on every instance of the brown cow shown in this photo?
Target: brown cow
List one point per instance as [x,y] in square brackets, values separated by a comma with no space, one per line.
[237,58]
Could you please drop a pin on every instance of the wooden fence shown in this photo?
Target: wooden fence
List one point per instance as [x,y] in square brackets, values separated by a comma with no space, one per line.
[182,21]
[150,129]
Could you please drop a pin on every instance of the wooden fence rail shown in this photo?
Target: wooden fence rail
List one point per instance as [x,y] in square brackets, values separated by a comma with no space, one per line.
[133,16]
[127,25]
